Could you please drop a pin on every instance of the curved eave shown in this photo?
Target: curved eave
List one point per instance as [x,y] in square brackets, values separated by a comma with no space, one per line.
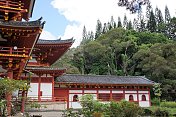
[18,24]
[54,42]
[58,47]
[46,70]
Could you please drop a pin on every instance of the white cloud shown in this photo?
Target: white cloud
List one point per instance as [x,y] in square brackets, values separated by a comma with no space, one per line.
[86,12]
[47,35]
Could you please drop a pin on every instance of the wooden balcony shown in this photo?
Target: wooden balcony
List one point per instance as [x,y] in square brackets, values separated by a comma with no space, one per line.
[14,52]
[9,4]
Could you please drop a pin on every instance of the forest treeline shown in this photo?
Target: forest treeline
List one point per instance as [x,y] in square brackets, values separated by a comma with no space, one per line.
[143,47]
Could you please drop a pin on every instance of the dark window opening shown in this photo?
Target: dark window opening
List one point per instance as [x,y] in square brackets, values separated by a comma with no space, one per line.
[131,98]
[143,98]
[75,98]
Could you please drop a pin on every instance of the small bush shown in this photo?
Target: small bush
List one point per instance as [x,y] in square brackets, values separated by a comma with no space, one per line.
[147,112]
[161,113]
[155,102]
[168,104]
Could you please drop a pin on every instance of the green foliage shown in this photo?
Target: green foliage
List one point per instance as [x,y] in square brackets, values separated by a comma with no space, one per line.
[155,102]
[168,104]
[161,113]
[123,108]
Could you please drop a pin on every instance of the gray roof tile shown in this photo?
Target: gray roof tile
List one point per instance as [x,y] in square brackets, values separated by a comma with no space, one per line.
[104,79]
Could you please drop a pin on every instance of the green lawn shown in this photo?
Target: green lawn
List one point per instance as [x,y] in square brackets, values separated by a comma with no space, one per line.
[172,111]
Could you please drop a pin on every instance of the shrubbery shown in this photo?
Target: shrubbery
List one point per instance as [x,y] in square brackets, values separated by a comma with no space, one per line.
[168,104]
[161,113]
[93,108]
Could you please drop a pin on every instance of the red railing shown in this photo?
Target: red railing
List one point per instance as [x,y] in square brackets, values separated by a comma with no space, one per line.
[11,4]
[14,51]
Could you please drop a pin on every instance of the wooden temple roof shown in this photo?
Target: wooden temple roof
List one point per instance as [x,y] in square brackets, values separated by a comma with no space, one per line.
[46,70]
[104,79]
[20,34]
[49,51]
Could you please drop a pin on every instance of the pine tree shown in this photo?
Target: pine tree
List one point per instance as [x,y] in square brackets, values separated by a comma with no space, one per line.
[159,21]
[105,29]
[129,26]
[84,35]
[98,29]
[119,24]
[151,24]
[135,23]
[167,15]
[148,10]
[140,23]
[125,22]
[112,23]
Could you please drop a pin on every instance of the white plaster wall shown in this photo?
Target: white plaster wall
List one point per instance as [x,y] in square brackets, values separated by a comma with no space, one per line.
[75,105]
[127,97]
[75,91]
[117,91]
[46,89]
[103,91]
[144,103]
[90,91]
[130,91]
[33,90]
[143,92]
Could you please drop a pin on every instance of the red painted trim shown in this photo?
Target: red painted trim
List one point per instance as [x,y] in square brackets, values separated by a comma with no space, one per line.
[9,95]
[137,96]
[39,87]
[53,88]
[149,97]
[67,99]
[110,94]
[124,92]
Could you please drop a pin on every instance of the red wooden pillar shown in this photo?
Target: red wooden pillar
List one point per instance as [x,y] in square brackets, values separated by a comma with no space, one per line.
[149,96]
[68,98]
[53,89]
[23,102]
[39,89]
[138,96]
[9,95]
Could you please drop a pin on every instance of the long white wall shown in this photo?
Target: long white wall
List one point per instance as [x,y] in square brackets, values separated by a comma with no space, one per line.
[137,96]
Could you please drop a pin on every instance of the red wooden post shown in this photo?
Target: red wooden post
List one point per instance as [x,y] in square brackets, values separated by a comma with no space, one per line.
[23,102]
[39,87]
[9,95]
[53,88]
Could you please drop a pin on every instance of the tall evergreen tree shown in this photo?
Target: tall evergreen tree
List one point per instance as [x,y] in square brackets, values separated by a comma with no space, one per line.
[151,24]
[167,15]
[84,35]
[98,29]
[135,23]
[159,21]
[112,23]
[129,26]
[148,10]
[105,29]
[119,24]
[140,22]
[125,22]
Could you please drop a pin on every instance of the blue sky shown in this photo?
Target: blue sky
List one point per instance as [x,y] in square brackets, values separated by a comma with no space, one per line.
[55,23]
[66,18]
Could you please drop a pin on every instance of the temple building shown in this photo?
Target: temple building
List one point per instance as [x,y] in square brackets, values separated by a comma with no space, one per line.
[104,88]
[24,56]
